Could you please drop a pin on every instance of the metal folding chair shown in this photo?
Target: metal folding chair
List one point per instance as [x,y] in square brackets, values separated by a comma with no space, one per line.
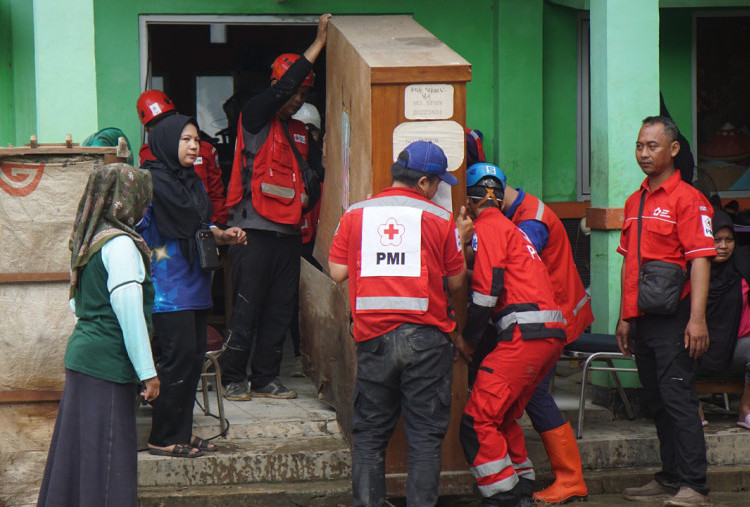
[590,348]
[212,371]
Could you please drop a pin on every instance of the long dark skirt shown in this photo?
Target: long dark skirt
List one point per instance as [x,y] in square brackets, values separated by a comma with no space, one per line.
[93,455]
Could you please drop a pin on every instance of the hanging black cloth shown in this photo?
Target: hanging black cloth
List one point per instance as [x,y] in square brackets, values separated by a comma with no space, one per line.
[684,161]
[180,203]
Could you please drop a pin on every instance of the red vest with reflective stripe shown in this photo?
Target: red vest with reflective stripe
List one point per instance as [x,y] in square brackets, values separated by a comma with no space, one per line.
[557,256]
[385,302]
[276,184]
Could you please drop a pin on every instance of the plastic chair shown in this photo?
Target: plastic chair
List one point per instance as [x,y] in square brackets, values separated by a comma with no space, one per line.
[597,347]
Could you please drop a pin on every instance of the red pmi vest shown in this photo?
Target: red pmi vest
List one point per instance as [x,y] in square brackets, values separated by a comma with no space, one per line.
[407,295]
[557,256]
[277,187]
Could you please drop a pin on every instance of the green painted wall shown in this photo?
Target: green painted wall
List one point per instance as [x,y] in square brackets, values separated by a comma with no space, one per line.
[17,86]
[519,93]
[24,71]
[675,66]
[7,112]
[469,31]
[560,102]
[65,69]
[624,90]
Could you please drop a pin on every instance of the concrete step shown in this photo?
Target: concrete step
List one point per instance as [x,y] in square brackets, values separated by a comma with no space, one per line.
[720,478]
[729,485]
[259,417]
[332,493]
[262,459]
[620,444]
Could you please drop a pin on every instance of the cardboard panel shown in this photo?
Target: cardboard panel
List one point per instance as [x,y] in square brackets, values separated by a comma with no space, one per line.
[39,197]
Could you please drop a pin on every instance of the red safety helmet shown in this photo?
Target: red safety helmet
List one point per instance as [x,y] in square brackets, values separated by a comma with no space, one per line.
[151,104]
[282,64]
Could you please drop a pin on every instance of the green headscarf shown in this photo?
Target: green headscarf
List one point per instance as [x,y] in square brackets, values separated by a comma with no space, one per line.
[115,199]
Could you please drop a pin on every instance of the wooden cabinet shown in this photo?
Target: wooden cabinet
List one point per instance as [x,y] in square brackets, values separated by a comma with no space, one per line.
[389,82]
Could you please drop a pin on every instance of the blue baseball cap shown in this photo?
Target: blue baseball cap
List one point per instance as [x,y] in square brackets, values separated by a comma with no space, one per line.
[428,158]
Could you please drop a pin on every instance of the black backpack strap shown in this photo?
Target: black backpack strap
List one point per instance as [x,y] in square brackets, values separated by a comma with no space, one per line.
[640,224]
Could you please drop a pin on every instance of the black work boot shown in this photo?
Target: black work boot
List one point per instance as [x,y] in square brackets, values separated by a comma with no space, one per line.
[524,489]
[501,499]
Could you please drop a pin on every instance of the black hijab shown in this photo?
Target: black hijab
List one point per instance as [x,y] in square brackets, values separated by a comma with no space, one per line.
[180,203]
[724,305]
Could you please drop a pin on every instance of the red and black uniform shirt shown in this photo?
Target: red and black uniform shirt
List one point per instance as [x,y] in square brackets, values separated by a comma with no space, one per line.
[676,228]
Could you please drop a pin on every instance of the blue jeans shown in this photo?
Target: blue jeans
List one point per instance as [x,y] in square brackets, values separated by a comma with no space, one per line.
[542,409]
[409,370]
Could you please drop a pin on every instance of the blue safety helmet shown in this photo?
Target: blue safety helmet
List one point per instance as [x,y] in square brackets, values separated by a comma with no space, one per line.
[477,172]
[485,181]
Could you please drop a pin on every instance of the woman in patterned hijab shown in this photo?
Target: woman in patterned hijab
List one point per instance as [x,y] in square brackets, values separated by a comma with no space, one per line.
[109,350]
[115,199]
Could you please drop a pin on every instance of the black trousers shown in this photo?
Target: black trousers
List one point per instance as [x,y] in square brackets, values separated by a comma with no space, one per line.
[265,274]
[179,350]
[409,370]
[667,373]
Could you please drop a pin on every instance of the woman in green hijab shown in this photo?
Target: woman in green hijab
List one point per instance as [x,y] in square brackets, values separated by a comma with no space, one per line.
[93,455]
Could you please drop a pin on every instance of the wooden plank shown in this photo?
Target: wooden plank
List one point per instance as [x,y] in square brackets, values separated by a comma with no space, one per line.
[569,209]
[435,74]
[390,42]
[605,218]
[719,386]
[25,396]
[34,277]
[44,149]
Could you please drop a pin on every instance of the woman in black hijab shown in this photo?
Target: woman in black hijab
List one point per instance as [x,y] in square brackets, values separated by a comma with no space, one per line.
[727,310]
[179,209]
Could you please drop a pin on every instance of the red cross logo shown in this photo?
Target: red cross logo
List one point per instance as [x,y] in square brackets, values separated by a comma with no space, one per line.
[391,232]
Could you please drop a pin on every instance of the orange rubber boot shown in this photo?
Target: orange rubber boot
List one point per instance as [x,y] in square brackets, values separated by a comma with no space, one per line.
[565,461]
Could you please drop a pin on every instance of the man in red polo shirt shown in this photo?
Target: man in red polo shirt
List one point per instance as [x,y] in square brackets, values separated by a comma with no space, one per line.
[676,228]
[399,251]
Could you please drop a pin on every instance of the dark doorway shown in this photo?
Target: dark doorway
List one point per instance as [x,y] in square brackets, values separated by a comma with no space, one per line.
[723,101]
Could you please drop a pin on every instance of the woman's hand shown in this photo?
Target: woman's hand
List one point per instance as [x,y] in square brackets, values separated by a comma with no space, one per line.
[231,236]
[151,389]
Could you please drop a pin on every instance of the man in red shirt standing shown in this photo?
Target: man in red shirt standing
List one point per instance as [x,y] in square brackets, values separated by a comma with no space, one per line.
[668,220]
[511,287]
[399,250]
[153,106]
